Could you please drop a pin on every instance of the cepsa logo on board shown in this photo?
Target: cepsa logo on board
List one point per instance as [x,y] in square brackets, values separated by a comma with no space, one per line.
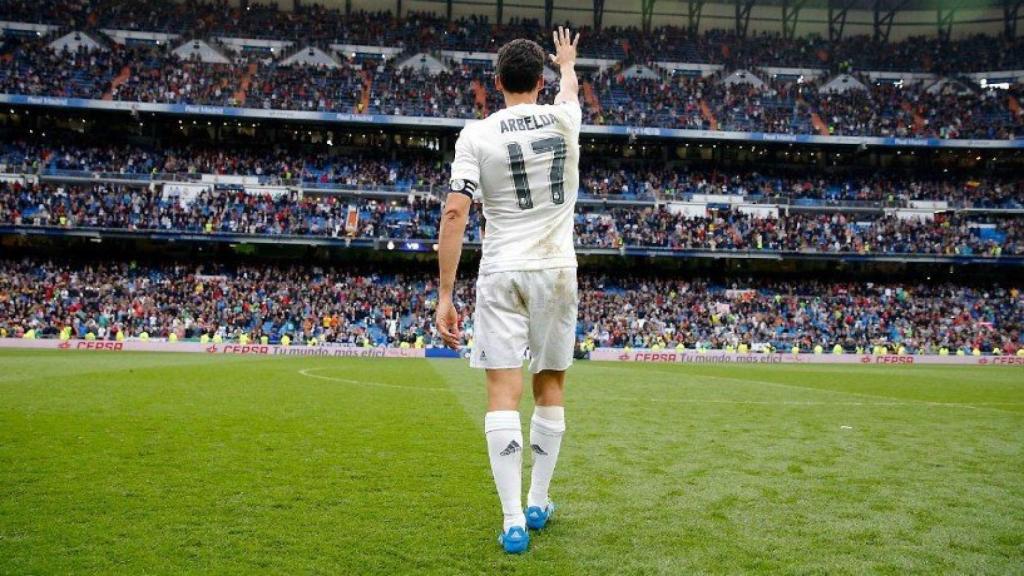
[245,349]
[100,345]
[650,357]
[1002,361]
[893,359]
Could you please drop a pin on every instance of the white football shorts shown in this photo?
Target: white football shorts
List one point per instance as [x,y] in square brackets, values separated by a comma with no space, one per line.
[525,309]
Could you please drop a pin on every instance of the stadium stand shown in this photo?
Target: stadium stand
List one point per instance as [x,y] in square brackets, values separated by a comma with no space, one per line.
[237,212]
[757,84]
[119,300]
[364,171]
[317,24]
[275,185]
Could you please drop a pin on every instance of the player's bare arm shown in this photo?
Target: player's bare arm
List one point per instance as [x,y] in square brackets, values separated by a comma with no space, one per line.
[565,58]
[449,250]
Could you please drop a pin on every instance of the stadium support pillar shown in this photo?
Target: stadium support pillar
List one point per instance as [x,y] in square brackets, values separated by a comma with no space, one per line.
[695,8]
[884,17]
[348,7]
[549,12]
[501,13]
[790,16]
[646,14]
[944,21]
[448,10]
[1010,10]
[398,8]
[837,11]
[598,13]
[743,16]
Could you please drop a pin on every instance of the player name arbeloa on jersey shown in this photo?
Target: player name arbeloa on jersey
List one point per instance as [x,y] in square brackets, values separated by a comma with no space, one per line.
[527,123]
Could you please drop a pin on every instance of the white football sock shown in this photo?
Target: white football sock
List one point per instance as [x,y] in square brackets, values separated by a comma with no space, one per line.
[505,448]
[546,429]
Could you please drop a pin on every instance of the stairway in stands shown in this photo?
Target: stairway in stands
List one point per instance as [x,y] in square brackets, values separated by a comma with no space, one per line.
[480,96]
[243,84]
[1014,106]
[364,101]
[121,78]
[918,118]
[708,115]
[819,124]
[590,97]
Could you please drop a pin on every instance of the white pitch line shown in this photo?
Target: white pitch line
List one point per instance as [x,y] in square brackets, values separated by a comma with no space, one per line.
[922,404]
[306,372]
[762,402]
[695,378]
[930,403]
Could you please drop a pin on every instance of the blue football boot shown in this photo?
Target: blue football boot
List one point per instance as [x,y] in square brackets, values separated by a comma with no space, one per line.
[515,541]
[537,517]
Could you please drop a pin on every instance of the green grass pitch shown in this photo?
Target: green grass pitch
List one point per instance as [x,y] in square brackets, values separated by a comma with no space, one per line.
[174,463]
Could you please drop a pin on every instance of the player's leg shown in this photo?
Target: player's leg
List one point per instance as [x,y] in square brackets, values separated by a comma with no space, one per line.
[505,441]
[500,331]
[552,339]
[546,429]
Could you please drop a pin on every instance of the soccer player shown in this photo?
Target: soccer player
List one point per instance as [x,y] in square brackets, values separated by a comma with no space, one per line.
[522,163]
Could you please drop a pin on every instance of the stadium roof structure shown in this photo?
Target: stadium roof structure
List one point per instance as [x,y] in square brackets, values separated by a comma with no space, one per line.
[883,12]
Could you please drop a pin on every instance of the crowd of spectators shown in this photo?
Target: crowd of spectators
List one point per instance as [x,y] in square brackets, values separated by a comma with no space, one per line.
[305,88]
[833,232]
[159,76]
[343,306]
[649,312]
[271,164]
[110,301]
[792,105]
[798,187]
[717,229]
[33,69]
[191,301]
[314,23]
[411,92]
[220,212]
[424,172]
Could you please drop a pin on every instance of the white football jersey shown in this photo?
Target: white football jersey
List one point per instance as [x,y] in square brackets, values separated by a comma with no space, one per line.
[523,164]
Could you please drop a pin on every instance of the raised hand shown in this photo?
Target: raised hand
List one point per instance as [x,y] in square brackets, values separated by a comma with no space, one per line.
[565,47]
